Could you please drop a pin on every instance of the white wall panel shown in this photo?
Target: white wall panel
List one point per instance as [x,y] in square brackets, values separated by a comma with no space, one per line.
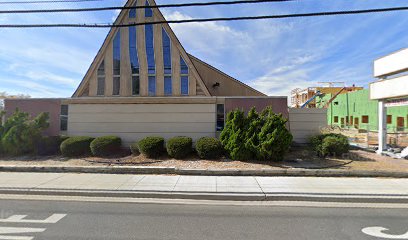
[395,87]
[132,122]
[306,122]
[392,63]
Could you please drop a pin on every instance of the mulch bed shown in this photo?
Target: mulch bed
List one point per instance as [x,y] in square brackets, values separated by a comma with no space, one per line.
[298,158]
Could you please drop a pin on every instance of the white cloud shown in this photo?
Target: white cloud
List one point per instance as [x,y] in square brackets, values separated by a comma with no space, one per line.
[281,84]
[205,37]
[36,89]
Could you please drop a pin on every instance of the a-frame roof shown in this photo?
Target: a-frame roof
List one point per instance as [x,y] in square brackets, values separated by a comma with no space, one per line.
[85,81]
[204,81]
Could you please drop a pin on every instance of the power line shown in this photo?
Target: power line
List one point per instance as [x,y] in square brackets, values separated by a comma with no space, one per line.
[48,1]
[315,14]
[347,12]
[177,5]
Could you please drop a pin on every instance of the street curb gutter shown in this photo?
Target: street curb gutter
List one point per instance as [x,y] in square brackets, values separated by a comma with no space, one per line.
[203,172]
[309,197]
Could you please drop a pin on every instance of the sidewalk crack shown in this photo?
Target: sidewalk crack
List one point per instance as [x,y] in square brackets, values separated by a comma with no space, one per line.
[259,185]
[175,184]
[49,181]
[137,182]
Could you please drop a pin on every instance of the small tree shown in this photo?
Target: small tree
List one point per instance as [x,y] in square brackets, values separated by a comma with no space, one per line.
[274,138]
[262,136]
[20,134]
[233,136]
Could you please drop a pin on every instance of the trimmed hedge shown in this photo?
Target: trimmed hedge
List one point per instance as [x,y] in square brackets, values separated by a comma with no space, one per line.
[76,146]
[50,145]
[209,148]
[105,146]
[151,147]
[179,147]
[329,144]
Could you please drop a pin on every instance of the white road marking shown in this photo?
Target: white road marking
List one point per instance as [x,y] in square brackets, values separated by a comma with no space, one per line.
[54,218]
[379,232]
[14,230]
[16,217]
[16,237]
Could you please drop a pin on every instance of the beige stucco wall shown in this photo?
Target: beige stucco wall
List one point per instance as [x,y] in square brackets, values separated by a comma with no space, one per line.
[305,122]
[132,122]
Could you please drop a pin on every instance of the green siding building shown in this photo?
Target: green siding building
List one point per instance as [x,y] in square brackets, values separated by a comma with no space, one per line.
[356,110]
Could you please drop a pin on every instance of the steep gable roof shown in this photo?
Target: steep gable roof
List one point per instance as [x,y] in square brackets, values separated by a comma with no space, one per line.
[84,85]
[221,84]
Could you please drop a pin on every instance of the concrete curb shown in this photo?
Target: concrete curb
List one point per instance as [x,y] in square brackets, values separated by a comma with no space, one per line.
[310,197]
[203,172]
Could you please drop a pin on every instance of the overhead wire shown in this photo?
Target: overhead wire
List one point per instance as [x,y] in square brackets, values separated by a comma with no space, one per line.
[47,1]
[177,5]
[296,15]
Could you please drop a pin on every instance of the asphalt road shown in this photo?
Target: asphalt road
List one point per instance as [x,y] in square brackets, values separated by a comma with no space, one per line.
[92,220]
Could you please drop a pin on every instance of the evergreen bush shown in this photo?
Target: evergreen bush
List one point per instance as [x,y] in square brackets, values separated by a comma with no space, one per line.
[261,136]
[329,144]
[233,136]
[179,147]
[151,147]
[105,146]
[76,146]
[20,134]
[208,148]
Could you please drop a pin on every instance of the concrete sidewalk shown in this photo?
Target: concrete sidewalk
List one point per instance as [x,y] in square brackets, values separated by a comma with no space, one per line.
[207,187]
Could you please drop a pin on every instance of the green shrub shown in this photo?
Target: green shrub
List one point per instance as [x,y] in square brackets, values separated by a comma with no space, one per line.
[151,147]
[76,146]
[261,136]
[20,133]
[134,149]
[233,136]
[105,146]
[179,147]
[335,146]
[209,148]
[50,145]
[329,144]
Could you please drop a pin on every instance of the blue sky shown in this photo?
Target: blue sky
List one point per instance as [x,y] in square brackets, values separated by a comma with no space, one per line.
[273,56]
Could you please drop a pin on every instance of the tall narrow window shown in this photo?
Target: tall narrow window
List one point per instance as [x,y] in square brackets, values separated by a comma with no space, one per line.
[134,61]
[151,66]
[116,64]
[132,12]
[148,11]
[167,63]
[64,118]
[166,52]
[220,117]
[101,79]
[184,77]
[167,85]
[152,85]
